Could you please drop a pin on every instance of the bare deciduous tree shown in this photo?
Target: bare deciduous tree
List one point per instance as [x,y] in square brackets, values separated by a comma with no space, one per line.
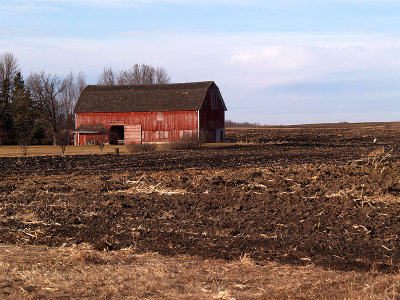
[101,142]
[162,76]
[24,139]
[46,91]
[8,70]
[8,66]
[147,74]
[81,82]
[63,140]
[107,77]
[69,96]
[138,74]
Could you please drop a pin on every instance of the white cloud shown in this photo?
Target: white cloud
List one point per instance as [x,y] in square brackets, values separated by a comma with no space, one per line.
[246,67]
[270,52]
[253,61]
[307,57]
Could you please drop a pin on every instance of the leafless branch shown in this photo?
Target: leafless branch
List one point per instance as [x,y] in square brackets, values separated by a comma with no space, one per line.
[138,74]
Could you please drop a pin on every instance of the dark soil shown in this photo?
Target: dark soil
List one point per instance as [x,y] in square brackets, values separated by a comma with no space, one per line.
[306,195]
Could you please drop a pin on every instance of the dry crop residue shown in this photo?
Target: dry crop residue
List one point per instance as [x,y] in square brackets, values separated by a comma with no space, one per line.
[322,199]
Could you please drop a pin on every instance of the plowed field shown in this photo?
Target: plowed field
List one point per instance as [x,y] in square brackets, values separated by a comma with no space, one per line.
[327,196]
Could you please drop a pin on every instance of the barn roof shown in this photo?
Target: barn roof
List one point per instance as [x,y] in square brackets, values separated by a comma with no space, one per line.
[146,97]
[91,129]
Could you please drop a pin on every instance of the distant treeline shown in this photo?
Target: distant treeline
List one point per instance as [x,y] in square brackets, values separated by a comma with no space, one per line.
[230,123]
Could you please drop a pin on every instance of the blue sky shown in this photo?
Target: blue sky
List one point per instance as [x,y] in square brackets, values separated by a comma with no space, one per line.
[276,62]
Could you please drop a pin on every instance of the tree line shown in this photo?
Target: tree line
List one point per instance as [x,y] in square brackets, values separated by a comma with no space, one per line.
[138,74]
[230,123]
[40,109]
[36,110]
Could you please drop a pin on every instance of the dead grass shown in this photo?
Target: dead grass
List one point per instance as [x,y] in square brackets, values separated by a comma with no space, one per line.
[32,272]
[185,143]
[8,151]
[147,147]
[249,142]
[56,150]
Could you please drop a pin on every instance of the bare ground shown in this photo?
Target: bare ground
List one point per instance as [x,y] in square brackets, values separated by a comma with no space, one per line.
[315,201]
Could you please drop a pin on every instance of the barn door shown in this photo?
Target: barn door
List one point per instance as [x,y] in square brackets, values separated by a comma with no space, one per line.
[220,135]
[133,134]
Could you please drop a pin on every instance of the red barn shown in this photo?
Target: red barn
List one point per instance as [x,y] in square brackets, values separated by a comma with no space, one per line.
[124,114]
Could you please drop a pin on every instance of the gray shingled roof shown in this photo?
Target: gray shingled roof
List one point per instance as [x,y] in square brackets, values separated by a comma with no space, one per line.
[140,98]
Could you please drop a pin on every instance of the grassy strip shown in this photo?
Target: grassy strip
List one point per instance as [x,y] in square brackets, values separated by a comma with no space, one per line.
[79,272]
[56,150]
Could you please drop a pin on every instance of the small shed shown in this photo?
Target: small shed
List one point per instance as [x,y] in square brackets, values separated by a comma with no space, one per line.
[125,114]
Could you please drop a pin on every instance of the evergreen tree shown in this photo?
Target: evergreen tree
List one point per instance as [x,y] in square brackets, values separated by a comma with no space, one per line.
[6,123]
[39,131]
[5,91]
[23,112]
[18,96]
[6,113]
[8,71]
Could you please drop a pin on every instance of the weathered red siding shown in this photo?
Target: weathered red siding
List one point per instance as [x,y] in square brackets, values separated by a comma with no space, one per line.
[156,126]
[88,138]
[133,134]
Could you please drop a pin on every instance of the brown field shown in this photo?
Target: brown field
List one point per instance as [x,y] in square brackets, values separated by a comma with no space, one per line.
[279,212]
